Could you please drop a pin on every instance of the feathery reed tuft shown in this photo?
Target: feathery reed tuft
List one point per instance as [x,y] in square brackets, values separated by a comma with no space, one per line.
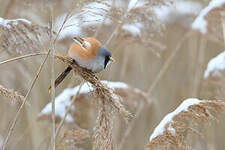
[20,36]
[9,93]
[103,130]
[170,133]
[101,90]
[72,139]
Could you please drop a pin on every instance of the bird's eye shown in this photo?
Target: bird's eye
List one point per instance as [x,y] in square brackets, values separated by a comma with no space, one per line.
[106,61]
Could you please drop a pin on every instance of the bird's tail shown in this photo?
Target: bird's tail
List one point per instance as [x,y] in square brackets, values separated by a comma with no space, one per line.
[61,77]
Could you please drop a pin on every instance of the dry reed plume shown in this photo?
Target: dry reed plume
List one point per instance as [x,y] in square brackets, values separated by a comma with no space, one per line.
[20,36]
[72,139]
[103,129]
[101,90]
[11,94]
[192,113]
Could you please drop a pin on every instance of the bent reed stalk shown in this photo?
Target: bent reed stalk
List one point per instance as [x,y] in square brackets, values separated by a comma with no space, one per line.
[101,90]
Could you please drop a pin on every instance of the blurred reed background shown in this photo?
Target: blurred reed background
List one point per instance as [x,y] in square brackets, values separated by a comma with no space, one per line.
[156,50]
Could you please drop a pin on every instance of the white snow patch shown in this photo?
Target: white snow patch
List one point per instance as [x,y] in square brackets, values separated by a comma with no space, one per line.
[1,141]
[91,15]
[215,65]
[170,13]
[188,7]
[94,13]
[5,22]
[115,85]
[169,117]
[133,29]
[200,23]
[63,100]
[162,12]
[71,27]
[140,4]
[132,4]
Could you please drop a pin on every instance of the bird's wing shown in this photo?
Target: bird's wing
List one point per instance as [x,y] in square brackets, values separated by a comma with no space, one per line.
[82,42]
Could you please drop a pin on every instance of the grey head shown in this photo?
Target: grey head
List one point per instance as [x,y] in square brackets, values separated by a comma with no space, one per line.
[105,55]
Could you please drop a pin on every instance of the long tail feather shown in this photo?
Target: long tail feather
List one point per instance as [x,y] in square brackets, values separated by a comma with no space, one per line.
[61,77]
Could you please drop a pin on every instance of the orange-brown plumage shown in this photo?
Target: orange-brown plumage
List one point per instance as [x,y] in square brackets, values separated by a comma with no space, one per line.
[87,53]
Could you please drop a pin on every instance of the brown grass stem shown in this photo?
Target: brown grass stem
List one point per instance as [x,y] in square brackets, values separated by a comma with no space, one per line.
[21,57]
[167,63]
[24,102]
[223,24]
[30,88]
[199,67]
[52,52]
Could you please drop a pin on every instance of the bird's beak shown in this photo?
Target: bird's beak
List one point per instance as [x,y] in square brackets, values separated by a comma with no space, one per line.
[111,59]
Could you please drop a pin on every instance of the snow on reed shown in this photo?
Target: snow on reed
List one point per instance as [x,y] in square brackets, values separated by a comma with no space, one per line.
[215,65]
[173,12]
[94,13]
[200,23]
[71,27]
[6,22]
[63,100]
[191,115]
[169,117]
[90,15]
[132,4]
[20,36]
[133,29]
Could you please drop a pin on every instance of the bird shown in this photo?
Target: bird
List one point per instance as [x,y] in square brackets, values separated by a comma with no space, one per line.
[88,53]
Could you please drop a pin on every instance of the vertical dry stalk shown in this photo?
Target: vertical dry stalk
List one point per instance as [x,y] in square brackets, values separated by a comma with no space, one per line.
[103,130]
[28,93]
[223,24]
[167,63]
[11,94]
[24,102]
[165,67]
[199,67]
[52,50]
